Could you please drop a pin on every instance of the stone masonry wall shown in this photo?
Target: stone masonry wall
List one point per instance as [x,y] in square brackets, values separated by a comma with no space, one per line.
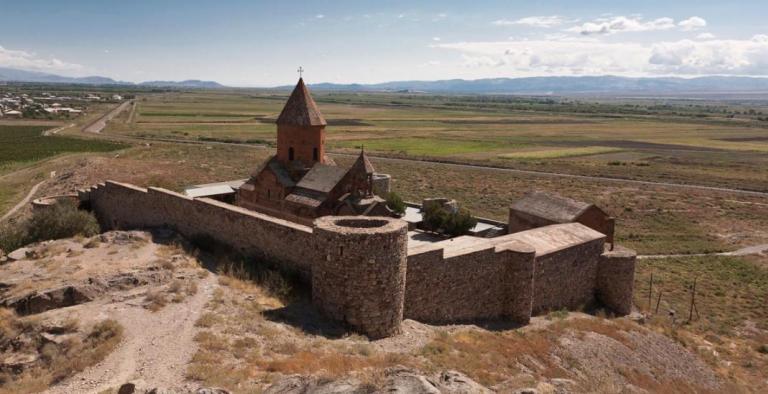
[565,278]
[496,282]
[360,279]
[615,279]
[122,206]
[361,272]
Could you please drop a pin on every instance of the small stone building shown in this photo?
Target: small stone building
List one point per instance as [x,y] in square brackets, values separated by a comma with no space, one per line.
[300,183]
[539,209]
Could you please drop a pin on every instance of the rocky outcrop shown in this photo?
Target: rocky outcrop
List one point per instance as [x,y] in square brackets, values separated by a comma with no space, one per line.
[455,382]
[17,362]
[297,384]
[398,380]
[42,301]
[21,253]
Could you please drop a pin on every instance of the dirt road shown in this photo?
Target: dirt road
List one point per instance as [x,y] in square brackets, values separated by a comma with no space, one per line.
[57,130]
[746,251]
[23,202]
[99,124]
[155,351]
[481,167]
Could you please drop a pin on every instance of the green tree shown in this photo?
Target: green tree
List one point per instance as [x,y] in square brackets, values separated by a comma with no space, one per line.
[437,219]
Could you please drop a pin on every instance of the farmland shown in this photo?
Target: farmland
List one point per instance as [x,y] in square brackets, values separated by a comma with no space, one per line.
[643,141]
[20,144]
[711,143]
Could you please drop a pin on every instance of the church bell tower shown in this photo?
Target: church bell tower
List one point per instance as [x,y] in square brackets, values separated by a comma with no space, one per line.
[301,130]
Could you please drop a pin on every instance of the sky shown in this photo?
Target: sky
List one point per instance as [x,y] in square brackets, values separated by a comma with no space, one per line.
[262,43]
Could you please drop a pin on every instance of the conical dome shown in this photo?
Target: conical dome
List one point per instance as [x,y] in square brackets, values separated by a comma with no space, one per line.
[301,110]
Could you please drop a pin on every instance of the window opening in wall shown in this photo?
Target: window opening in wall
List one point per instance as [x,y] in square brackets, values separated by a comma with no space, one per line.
[290,153]
[314,154]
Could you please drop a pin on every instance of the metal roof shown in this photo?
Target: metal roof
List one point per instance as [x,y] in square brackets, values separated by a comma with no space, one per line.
[207,191]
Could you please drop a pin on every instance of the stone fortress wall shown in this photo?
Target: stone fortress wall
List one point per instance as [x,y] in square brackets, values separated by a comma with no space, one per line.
[361,277]
[363,273]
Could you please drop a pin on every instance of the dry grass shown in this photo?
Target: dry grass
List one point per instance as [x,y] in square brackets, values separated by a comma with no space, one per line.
[207,320]
[491,357]
[56,361]
[155,301]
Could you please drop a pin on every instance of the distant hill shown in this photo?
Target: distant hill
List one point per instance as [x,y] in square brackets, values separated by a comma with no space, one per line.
[563,85]
[16,75]
[190,83]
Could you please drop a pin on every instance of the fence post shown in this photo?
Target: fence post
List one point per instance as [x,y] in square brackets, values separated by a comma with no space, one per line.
[693,300]
[650,293]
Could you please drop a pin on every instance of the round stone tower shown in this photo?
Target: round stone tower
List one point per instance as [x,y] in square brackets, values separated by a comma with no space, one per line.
[360,277]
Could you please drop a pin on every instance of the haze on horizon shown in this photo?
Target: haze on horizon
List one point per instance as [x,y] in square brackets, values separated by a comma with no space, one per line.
[244,43]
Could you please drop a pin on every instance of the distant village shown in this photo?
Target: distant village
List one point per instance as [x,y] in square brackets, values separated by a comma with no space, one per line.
[47,105]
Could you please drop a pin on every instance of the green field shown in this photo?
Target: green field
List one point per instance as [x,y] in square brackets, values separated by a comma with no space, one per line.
[24,144]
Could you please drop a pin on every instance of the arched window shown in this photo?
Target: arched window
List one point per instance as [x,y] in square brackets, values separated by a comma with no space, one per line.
[290,153]
[314,154]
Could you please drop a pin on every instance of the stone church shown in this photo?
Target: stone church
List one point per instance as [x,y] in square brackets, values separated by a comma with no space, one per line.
[301,183]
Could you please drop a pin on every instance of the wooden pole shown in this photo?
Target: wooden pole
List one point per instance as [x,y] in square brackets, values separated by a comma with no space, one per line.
[650,293]
[693,300]
[658,300]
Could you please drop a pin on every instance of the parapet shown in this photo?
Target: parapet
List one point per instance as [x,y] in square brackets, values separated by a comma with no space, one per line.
[360,276]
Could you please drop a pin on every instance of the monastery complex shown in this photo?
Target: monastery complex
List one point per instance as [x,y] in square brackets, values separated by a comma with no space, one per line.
[368,267]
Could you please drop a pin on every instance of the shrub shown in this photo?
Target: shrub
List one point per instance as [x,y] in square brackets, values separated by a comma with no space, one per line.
[62,220]
[12,237]
[459,223]
[454,224]
[434,217]
[395,203]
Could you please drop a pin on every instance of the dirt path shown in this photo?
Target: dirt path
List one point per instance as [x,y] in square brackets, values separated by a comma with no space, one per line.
[746,251]
[99,124]
[155,350]
[132,114]
[57,130]
[23,202]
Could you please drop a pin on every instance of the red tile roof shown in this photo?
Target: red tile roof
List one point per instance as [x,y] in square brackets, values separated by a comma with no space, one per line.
[301,110]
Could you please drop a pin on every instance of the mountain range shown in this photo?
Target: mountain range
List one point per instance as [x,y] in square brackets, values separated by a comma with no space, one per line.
[16,75]
[565,85]
[531,85]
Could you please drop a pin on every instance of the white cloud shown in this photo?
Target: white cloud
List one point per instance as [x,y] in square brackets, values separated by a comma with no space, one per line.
[439,17]
[593,57]
[619,24]
[733,57]
[533,21]
[30,61]
[705,36]
[692,23]
[431,63]
[435,38]
[319,16]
